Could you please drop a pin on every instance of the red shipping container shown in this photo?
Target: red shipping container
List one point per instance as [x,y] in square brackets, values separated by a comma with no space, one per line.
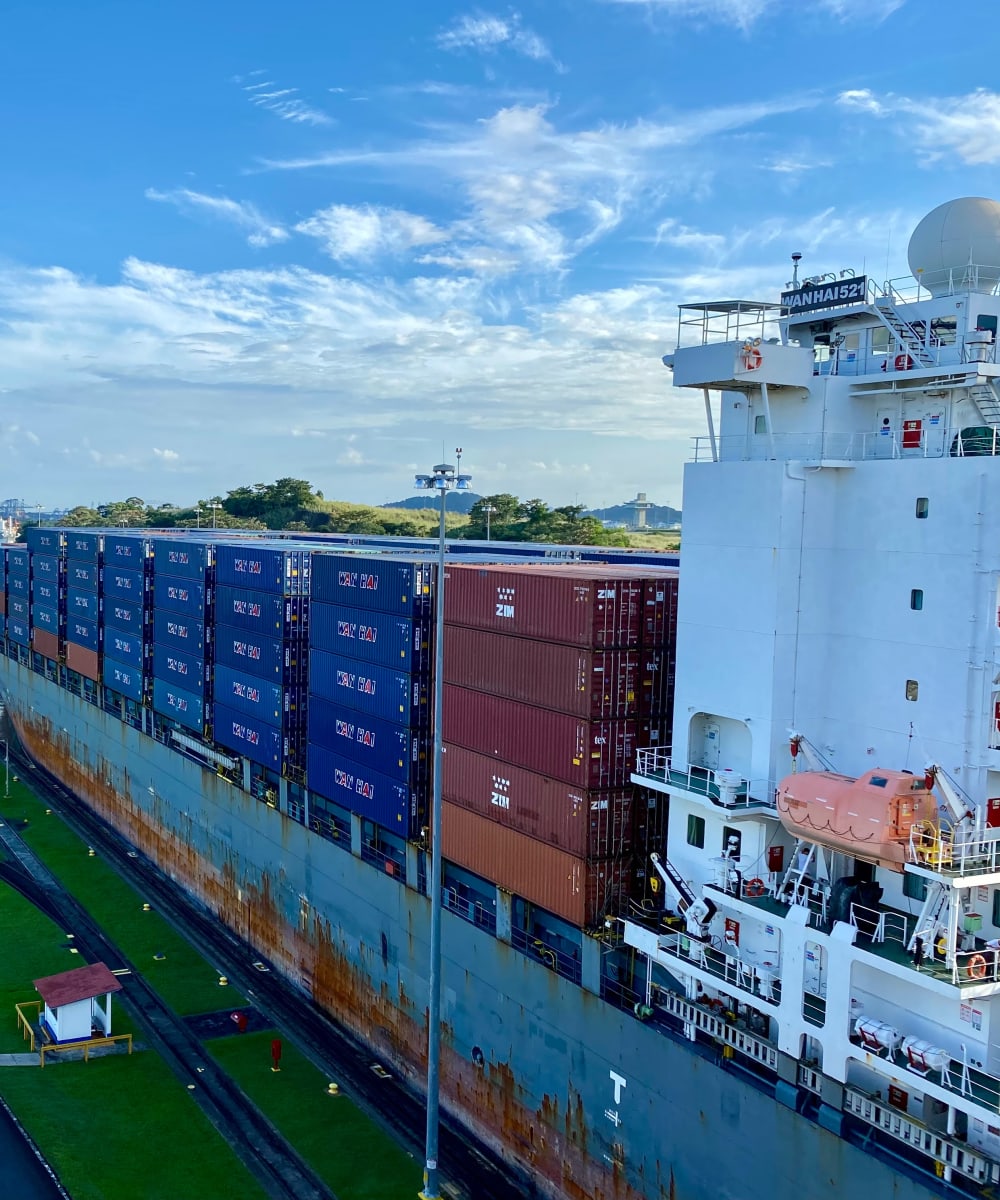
[570,679]
[586,824]
[553,604]
[82,660]
[45,643]
[589,754]
[580,892]
[659,598]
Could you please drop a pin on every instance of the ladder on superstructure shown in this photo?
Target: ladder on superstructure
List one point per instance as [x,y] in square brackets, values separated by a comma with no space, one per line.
[984,396]
[930,920]
[906,336]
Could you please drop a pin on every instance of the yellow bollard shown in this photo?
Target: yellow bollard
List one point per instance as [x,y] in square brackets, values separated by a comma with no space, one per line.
[332,1089]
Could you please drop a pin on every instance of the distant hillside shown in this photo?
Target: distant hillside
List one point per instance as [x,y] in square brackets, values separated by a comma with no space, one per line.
[656,514]
[458,502]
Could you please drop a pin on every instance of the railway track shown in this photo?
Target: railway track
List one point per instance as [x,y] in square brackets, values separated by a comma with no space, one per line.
[471,1171]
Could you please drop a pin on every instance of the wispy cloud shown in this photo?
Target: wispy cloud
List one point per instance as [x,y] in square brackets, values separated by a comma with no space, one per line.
[166,456]
[486,34]
[745,13]
[368,232]
[284,102]
[967,126]
[260,231]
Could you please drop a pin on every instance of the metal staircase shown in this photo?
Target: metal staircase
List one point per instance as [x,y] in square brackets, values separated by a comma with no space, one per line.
[984,396]
[905,335]
[796,884]
[933,918]
[680,884]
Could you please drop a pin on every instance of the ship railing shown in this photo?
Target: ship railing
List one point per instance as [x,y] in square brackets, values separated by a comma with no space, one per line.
[972,967]
[929,441]
[722,787]
[713,1023]
[878,924]
[392,864]
[555,958]
[905,289]
[951,851]
[731,968]
[473,911]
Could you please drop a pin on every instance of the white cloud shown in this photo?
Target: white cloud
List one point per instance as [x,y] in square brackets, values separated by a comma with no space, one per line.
[368,232]
[966,126]
[284,102]
[487,34]
[166,456]
[260,231]
[745,13]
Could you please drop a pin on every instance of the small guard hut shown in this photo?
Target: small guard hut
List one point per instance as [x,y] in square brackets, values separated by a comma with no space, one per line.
[78,1003]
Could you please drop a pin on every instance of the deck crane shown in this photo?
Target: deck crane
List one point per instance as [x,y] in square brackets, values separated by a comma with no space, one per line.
[697,911]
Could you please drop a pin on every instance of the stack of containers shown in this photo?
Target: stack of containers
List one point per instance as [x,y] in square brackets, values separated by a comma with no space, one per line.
[554,677]
[18,595]
[261,651]
[369,686]
[83,633]
[122,611]
[46,548]
[181,592]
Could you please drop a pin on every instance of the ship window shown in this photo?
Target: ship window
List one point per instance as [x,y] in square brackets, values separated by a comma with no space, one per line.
[912,688]
[996,907]
[986,321]
[917,599]
[760,423]
[877,781]
[696,831]
[914,888]
[923,504]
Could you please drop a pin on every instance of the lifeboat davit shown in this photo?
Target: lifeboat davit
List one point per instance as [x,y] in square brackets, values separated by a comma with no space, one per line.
[869,817]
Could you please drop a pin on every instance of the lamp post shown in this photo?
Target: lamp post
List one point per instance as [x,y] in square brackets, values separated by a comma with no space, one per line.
[443,479]
[214,505]
[489,509]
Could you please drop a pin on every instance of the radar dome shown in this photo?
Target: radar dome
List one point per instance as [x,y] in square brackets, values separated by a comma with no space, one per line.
[951,237]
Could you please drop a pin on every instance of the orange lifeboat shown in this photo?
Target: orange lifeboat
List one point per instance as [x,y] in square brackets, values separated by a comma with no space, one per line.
[869,817]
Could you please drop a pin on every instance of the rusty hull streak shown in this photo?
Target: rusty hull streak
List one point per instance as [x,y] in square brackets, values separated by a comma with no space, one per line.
[551,1143]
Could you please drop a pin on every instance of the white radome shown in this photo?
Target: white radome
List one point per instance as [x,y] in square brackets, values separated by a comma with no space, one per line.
[949,238]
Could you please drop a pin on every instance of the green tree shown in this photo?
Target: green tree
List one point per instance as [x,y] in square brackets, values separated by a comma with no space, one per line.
[81,516]
[502,519]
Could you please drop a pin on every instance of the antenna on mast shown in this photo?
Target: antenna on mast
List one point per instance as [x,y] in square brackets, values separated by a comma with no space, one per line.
[796,259]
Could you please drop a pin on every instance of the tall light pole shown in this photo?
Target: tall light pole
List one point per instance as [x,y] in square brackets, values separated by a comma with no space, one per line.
[489,509]
[214,506]
[444,478]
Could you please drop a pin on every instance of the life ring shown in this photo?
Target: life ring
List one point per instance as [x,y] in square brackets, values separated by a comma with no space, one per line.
[975,968]
[903,362]
[753,888]
[752,359]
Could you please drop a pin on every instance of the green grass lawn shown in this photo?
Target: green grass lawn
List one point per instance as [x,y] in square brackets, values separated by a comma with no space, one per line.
[345,1148]
[186,982]
[31,947]
[125,1128]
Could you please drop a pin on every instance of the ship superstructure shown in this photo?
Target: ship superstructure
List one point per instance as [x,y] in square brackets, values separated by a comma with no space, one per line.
[832,869]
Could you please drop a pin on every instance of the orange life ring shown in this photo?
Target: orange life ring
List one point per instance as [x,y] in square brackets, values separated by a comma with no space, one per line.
[903,362]
[753,888]
[975,968]
[752,359]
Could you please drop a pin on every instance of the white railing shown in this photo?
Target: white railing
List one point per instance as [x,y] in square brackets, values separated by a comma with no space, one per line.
[695,1017]
[906,288]
[723,788]
[880,925]
[954,852]
[973,967]
[730,969]
[932,442]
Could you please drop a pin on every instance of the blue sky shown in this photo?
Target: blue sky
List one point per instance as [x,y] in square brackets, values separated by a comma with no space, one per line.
[242,240]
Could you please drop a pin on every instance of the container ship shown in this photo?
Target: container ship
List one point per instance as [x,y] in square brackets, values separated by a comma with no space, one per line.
[721,842]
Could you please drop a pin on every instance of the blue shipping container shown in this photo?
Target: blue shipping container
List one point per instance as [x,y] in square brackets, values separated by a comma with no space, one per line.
[18,561]
[393,750]
[85,547]
[267,657]
[253,739]
[124,647]
[46,592]
[121,583]
[119,614]
[380,584]
[17,631]
[82,604]
[120,550]
[17,606]
[184,707]
[121,677]
[45,618]
[44,541]
[182,670]
[45,567]
[186,596]
[82,575]
[18,585]
[261,612]
[377,637]
[366,687]
[263,568]
[185,560]
[258,698]
[183,633]
[372,795]
[82,632]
